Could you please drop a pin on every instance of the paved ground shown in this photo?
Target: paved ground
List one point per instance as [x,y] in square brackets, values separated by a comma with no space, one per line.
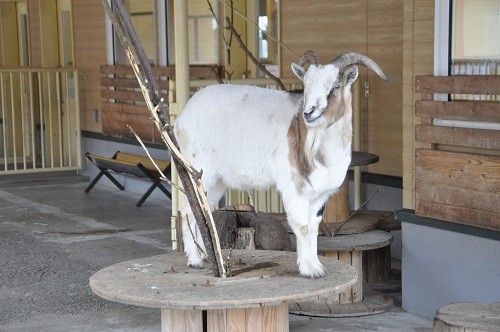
[53,237]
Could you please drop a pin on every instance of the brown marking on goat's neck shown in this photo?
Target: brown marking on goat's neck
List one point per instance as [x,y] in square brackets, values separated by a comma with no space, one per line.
[338,108]
[297,134]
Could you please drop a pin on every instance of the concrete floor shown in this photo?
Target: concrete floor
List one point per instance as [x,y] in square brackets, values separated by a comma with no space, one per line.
[53,237]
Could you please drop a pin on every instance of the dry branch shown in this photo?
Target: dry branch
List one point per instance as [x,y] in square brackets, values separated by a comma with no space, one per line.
[251,56]
[190,178]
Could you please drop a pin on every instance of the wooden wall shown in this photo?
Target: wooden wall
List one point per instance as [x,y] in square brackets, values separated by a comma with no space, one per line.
[371,27]
[418,51]
[90,53]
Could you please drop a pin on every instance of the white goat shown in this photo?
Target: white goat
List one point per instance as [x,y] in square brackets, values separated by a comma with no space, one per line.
[245,137]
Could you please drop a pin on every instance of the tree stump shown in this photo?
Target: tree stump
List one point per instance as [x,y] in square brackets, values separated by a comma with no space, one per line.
[234,223]
[461,317]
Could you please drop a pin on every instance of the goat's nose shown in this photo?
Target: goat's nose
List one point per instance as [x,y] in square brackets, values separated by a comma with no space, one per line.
[308,114]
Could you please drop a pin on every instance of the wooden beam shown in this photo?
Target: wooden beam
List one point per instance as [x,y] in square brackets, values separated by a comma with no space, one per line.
[486,111]
[467,84]
[459,215]
[478,138]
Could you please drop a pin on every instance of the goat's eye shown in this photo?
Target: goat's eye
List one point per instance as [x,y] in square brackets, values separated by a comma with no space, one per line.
[334,88]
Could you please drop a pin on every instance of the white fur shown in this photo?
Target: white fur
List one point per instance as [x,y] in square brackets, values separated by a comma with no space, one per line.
[238,136]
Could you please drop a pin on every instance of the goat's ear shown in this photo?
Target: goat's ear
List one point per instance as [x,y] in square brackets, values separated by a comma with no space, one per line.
[298,71]
[350,74]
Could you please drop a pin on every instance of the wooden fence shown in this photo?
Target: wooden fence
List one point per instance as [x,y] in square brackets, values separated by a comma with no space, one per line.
[123,103]
[458,178]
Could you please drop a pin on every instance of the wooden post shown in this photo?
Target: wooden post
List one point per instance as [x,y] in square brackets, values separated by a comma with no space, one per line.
[337,207]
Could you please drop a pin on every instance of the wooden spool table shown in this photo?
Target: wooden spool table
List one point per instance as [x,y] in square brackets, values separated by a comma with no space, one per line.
[460,317]
[254,299]
[354,301]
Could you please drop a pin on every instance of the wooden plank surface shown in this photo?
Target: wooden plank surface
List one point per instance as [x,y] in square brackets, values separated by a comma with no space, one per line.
[181,320]
[122,95]
[458,187]
[127,82]
[194,72]
[268,278]
[216,320]
[349,242]
[477,166]
[486,111]
[468,317]
[346,297]
[478,138]
[458,214]
[458,196]
[466,84]
[236,319]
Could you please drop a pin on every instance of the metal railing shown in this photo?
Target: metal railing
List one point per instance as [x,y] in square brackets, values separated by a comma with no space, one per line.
[475,67]
[39,120]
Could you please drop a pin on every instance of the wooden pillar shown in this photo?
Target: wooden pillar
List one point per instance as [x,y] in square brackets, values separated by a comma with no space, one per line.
[181,86]
[337,207]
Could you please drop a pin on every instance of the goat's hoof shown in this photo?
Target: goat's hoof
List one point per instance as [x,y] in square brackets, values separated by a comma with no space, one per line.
[309,270]
[196,266]
[195,263]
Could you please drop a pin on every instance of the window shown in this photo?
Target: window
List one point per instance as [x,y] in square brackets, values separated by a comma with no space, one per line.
[143,17]
[475,37]
[203,33]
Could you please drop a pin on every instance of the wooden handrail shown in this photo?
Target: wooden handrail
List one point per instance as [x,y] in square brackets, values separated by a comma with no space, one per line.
[463,84]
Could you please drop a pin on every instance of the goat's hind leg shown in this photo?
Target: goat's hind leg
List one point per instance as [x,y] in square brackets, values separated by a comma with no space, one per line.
[194,246]
[193,242]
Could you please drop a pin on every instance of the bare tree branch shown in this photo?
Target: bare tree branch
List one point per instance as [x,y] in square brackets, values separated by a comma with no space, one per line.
[190,178]
[251,56]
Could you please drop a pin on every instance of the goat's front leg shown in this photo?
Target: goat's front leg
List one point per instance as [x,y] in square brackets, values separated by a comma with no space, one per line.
[306,233]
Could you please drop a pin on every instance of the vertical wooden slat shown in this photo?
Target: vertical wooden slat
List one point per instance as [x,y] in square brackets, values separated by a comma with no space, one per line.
[216,320]
[254,319]
[269,318]
[333,299]
[357,288]
[181,320]
[346,297]
[236,320]
[282,318]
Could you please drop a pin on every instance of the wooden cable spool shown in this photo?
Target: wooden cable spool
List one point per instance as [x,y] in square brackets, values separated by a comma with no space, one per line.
[253,299]
[461,317]
[354,301]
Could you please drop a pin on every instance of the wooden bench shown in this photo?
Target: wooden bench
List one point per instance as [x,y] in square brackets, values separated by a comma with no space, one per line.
[126,163]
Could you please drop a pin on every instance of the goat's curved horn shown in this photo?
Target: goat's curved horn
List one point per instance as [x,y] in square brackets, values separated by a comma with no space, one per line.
[348,59]
[308,57]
